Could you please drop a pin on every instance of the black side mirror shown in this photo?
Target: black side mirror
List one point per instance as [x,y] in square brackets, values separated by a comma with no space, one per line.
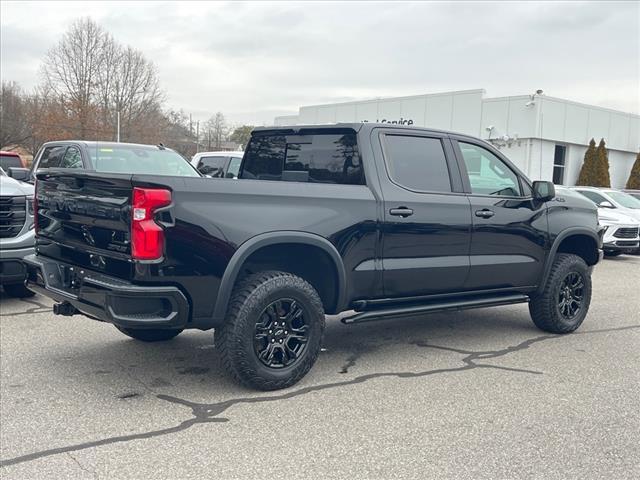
[19,173]
[543,191]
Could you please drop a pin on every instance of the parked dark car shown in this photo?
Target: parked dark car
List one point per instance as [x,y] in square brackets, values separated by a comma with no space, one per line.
[105,157]
[384,220]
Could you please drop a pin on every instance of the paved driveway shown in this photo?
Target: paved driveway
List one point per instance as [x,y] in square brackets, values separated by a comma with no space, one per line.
[474,394]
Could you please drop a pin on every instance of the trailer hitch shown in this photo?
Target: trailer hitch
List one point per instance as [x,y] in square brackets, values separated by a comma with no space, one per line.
[65,309]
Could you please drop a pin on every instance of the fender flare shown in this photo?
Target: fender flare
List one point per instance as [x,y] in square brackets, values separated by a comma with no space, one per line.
[556,244]
[273,238]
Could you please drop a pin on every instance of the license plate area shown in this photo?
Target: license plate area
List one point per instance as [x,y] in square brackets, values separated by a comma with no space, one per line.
[70,278]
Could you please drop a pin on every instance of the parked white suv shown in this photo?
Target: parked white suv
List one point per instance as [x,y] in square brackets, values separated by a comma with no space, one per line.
[611,198]
[218,164]
[619,214]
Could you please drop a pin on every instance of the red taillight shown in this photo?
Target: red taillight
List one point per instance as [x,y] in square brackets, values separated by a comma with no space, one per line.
[147,237]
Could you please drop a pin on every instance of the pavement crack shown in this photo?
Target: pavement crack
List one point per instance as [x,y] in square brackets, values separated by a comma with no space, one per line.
[210,412]
[83,468]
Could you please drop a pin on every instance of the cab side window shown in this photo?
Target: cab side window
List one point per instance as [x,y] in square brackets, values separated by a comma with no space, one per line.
[213,166]
[52,157]
[61,157]
[72,158]
[488,175]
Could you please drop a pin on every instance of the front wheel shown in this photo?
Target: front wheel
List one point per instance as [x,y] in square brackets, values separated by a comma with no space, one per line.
[272,334]
[564,303]
[150,334]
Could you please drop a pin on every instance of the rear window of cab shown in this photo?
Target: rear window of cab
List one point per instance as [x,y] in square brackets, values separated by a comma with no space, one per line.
[331,157]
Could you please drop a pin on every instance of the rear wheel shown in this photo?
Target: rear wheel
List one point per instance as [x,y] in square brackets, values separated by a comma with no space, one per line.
[150,334]
[564,303]
[272,334]
[18,290]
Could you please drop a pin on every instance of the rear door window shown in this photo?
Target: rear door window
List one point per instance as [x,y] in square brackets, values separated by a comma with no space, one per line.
[316,158]
[417,163]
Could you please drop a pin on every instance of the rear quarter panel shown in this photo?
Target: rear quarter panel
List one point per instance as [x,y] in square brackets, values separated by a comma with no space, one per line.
[213,217]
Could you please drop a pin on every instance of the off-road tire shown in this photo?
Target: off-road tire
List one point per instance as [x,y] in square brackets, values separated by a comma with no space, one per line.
[150,334]
[235,339]
[18,290]
[544,308]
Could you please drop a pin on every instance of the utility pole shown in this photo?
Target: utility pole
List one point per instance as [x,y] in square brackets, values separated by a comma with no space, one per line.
[118,127]
[197,136]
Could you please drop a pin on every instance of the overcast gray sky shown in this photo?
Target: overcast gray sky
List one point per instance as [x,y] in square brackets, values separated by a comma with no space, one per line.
[256,60]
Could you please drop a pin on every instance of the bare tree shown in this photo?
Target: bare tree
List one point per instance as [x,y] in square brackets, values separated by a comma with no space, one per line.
[72,68]
[14,127]
[130,86]
[215,131]
[97,77]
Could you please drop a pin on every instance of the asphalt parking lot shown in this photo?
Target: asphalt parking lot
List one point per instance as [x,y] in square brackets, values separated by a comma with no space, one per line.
[474,394]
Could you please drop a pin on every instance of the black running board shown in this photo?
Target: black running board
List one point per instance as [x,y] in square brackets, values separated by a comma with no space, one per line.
[440,306]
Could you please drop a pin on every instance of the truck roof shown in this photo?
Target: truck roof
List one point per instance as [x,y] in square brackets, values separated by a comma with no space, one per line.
[358,127]
[102,144]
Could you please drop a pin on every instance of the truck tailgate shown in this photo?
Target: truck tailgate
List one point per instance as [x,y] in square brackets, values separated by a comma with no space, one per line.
[83,218]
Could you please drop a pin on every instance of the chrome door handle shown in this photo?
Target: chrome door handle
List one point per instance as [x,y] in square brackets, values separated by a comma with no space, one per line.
[403,212]
[485,213]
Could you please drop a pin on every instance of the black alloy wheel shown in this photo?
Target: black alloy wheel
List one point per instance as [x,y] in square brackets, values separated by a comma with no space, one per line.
[273,330]
[281,335]
[570,295]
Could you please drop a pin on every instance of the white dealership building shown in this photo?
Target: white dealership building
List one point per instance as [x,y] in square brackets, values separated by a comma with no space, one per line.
[545,136]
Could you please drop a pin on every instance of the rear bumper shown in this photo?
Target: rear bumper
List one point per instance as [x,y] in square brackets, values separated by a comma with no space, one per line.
[12,268]
[108,299]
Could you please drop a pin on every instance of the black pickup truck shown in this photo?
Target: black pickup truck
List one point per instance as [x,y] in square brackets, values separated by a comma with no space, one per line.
[375,221]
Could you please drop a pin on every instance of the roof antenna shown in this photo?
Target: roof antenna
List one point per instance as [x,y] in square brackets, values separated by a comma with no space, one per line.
[161,146]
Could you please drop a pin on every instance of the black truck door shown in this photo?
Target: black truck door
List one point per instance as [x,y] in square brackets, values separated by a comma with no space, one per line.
[427,220]
[509,233]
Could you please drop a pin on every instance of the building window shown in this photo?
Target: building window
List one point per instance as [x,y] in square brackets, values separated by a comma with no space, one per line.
[558,164]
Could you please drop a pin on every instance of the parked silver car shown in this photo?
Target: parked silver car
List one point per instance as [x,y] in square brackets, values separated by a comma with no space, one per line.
[16,233]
